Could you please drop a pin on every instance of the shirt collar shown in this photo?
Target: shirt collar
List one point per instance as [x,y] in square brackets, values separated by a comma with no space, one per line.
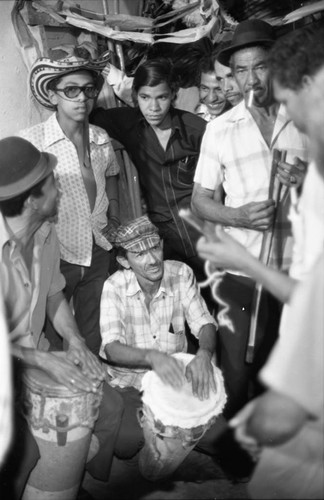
[176,123]
[134,288]
[42,232]
[240,112]
[53,133]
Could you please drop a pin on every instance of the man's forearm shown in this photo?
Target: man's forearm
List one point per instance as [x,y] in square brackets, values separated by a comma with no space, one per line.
[113,197]
[207,340]
[121,354]
[31,357]
[214,210]
[61,316]
[276,282]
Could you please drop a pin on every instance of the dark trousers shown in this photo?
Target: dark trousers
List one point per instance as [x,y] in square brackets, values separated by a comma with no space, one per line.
[106,430]
[240,377]
[84,285]
[175,247]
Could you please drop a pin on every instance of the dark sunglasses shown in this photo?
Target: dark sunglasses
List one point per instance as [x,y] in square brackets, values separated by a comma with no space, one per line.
[71,92]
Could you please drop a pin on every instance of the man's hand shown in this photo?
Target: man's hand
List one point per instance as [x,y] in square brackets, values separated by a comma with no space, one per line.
[221,249]
[65,372]
[292,175]
[79,354]
[257,215]
[201,375]
[169,369]
[110,227]
[239,424]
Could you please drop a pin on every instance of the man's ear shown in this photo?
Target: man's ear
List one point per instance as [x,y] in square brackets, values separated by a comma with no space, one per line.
[307,81]
[52,97]
[123,262]
[31,203]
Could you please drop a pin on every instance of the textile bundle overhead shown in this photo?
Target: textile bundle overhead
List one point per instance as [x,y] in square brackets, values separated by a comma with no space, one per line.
[179,21]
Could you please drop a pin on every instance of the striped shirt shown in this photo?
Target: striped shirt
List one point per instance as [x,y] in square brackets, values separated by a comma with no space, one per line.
[234,155]
[77,224]
[126,319]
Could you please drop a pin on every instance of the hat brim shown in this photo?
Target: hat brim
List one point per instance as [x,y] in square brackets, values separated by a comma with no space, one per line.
[225,55]
[44,167]
[45,70]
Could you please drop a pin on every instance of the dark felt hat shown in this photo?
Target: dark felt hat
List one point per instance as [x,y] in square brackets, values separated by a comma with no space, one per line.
[22,166]
[247,34]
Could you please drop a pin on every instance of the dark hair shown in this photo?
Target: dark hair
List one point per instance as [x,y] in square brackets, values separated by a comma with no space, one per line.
[121,252]
[152,73]
[298,54]
[14,206]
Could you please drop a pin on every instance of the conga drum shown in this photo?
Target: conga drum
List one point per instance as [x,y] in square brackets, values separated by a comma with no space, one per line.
[61,422]
[173,421]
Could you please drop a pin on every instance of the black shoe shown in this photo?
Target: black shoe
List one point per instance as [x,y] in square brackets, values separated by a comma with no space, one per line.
[84,495]
[235,462]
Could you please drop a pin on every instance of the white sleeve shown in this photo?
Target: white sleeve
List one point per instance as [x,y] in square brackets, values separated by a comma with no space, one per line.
[209,172]
[121,84]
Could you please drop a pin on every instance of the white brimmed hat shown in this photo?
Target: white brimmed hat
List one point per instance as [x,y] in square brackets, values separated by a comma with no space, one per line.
[44,70]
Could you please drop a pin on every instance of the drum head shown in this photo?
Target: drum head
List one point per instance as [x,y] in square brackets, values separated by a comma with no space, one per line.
[179,407]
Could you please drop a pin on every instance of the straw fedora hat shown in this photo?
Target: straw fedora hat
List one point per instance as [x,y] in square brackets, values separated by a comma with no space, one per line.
[248,33]
[44,70]
[22,166]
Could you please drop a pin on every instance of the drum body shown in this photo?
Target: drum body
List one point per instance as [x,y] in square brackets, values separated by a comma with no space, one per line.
[61,422]
[172,429]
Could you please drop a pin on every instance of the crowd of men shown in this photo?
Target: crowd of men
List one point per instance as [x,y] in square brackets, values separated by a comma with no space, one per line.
[263,213]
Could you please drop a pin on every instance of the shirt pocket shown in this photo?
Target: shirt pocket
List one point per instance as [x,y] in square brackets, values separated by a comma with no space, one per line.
[186,170]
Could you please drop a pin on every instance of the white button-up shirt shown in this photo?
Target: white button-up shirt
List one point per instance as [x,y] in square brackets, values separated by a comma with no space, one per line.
[125,318]
[77,224]
[234,155]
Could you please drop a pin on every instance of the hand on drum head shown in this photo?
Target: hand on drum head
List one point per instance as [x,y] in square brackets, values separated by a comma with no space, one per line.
[169,369]
[201,375]
[66,373]
[87,362]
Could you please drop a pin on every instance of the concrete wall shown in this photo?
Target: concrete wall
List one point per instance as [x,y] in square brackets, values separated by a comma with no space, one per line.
[17,110]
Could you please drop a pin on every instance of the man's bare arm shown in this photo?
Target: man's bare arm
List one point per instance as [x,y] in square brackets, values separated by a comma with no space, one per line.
[227,253]
[208,205]
[168,368]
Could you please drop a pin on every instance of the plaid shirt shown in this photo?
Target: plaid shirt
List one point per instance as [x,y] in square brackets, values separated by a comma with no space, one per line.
[235,155]
[77,224]
[125,318]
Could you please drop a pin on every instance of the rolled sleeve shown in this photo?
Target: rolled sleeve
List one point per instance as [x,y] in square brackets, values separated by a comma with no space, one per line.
[209,172]
[112,323]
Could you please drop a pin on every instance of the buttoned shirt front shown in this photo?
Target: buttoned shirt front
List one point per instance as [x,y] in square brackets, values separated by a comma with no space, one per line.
[77,224]
[126,319]
[234,155]
[25,294]
[166,176]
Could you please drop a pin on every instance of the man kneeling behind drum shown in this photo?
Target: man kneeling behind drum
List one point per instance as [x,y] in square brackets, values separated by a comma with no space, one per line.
[144,308]
[32,287]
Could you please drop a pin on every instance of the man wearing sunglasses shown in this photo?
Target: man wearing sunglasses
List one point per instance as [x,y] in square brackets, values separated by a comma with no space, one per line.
[86,175]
